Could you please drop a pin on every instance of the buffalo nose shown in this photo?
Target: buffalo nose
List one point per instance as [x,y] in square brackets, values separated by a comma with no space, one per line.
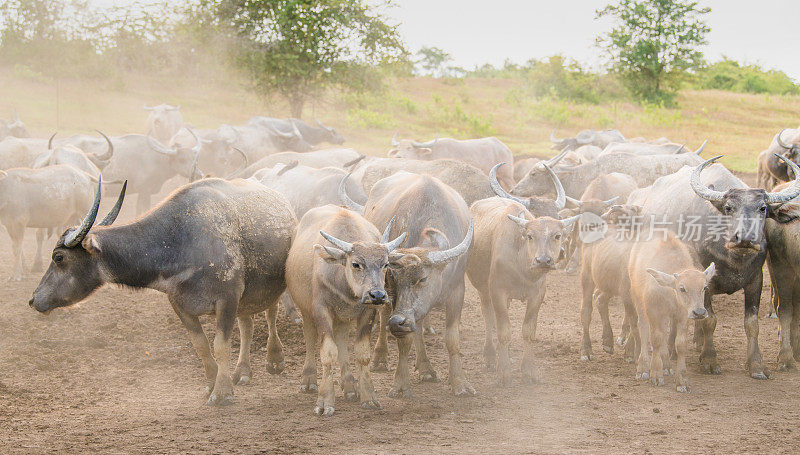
[401,325]
[699,313]
[377,296]
[545,261]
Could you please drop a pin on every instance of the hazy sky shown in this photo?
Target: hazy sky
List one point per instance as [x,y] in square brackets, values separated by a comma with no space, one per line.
[475,32]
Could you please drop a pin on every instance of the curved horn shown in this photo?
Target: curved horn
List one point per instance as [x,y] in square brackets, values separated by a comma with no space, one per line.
[576,202]
[287,167]
[278,132]
[295,130]
[702,190]
[241,168]
[520,220]
[554,160]
[112,215]
[50,141]
[157,147]
[790,192]
[109,152]
[426,144]
[568,221]
[395,142]
[198,144]
[438,257]
[780,142]
[349,203]
[350,164]
[322,125]
[561,196]
[341,244]
[174,108]
[588,140]
[147,108]
[700,150]
[678,150]
[498,190]
[75,237]
[553,137]
[611,201]
[391,246]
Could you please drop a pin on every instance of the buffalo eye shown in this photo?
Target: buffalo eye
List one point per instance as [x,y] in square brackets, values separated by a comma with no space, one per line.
[763,209]
[422,280]
[57,258]
[726,209]
[683,288]
[557,236]
[356,265]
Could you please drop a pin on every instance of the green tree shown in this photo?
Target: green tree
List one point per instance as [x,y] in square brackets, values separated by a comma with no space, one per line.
[432,60]
[299,48]
[654,43]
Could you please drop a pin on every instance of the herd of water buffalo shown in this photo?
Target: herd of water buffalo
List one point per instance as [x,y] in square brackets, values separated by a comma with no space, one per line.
[344,237]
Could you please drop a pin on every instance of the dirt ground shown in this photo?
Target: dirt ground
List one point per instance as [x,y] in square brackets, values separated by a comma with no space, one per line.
[117,374]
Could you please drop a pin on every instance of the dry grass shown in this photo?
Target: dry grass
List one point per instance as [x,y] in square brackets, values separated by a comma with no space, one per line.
[736,125]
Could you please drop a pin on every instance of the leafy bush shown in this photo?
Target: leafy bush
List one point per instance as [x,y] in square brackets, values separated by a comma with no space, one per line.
[733,76]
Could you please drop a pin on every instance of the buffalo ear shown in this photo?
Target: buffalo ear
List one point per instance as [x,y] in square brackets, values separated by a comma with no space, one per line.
[425,152]
[91,244]
[398,260]
[330,254]
[664,279]
[784,213]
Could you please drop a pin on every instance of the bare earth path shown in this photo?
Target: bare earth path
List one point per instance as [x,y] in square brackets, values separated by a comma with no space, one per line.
[116,374]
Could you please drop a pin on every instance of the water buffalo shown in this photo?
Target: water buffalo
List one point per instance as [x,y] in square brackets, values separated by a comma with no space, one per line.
[482,153]
[283,133]
[71,155]
[537,205]
[336,273]
[20,152]
[48,198]
[148,164]
[644,169]
[772,170]
[512,252]
[164,121]
[429,272]
[469,181]
[214,247]
[668,289]
[316,135]
[645,149]
[99,150]
[587,137]
[13,128]
[728,220]
[318,159]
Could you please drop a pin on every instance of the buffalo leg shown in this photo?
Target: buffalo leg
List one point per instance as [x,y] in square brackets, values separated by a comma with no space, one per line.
[608,333]
[500,307]
[328,354]
[380,355]
[489,351]
[587,298]
[783,284]
[458,382]
[681,350]
[275,361]
[349,386]
[308,378]
[659,350]
[17,234]
[200,343]
[223,386]
[708,356]
[366,391]
[534,303]
[752,297]
[423,365]
[632,339]
[795,327]
[643,363]
[243,373]
[37,260]
[290,308]
[402,383]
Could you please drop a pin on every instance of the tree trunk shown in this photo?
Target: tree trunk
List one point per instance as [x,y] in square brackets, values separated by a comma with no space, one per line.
[296,104]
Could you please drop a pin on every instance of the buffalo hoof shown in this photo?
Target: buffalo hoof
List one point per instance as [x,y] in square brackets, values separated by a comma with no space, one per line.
[587,357]
[464,390]
[683,389]
[771,315]
[761,374]
[608,348]
[428,376]
[275,367]
[349,390]
[324,411]
[241,377]
[628,358]
[643,376]
[668,372]
[220,398]
[372,405]
[310,387]
[16,277]
[657,381]
[711,366]
[787,365]
[621,341]
[428,331]
[402,393]
[379,366]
